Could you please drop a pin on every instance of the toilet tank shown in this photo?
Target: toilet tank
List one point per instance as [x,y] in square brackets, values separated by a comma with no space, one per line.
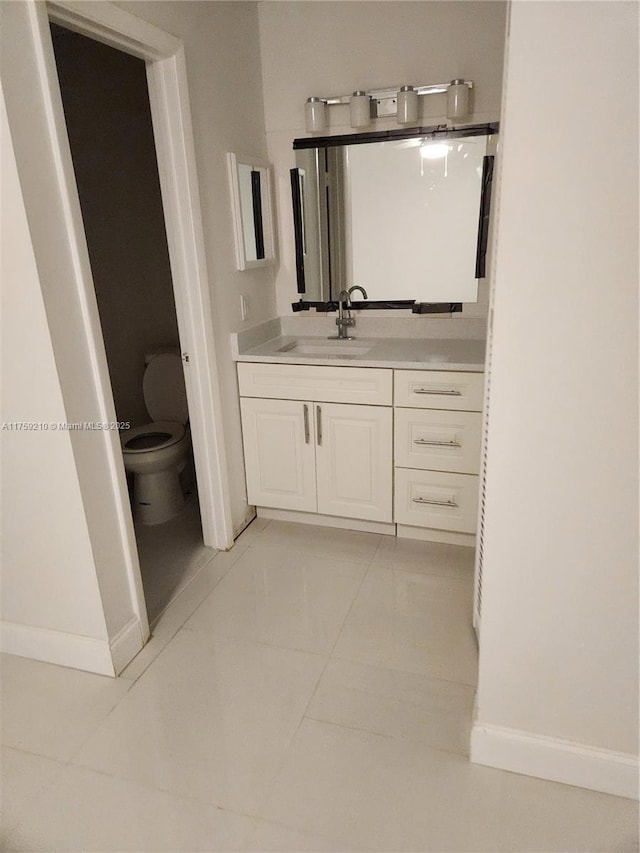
[164,350]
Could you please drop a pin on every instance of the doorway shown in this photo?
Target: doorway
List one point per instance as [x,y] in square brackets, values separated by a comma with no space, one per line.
[109,125]
[45,169]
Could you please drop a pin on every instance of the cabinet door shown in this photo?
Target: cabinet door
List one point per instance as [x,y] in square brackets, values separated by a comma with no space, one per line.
[354,465]
[279,453]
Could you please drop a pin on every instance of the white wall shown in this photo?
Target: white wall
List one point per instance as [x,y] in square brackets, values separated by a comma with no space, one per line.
[222,52]
[49,581]
[559,641]
[225,87]
[325,48]
[53,216]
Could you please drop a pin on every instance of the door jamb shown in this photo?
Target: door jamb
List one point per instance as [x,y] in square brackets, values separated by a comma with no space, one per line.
[171,115]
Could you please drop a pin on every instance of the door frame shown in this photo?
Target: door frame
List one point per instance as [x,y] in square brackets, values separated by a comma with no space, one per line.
[164,57]
[75,325]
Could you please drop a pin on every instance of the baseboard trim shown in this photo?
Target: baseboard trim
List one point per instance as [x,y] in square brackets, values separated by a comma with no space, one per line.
[557,760]
[246,521]
[388,529]
[126,645]
[430,534]
[72,650]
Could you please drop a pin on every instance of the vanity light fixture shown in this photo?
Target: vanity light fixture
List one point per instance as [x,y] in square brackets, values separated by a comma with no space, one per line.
[457,99]
[389,102]
[407,105]
[315,114]
[360,109]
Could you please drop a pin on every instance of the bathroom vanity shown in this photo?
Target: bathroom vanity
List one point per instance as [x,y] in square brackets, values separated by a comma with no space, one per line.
[372,434]
[379,432]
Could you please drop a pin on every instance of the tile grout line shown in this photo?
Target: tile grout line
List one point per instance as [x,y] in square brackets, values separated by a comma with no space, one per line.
[71,761]
[134,681]
[303,716]
[198,606]
[63,762]
[251,641]
[334,841]
[306,716]
[182,590]
[405,672]
[101,723]
[127,781]
[350,660]
[342,624]
[389,737]
[259,814]
[339,633]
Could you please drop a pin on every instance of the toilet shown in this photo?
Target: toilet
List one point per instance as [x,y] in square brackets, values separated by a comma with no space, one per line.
[157,452]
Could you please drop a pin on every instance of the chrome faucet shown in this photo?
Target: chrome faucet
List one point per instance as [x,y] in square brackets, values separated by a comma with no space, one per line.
[344,318]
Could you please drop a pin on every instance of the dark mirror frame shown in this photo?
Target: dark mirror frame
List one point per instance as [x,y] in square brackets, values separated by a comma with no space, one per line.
[435,132]
[256,199]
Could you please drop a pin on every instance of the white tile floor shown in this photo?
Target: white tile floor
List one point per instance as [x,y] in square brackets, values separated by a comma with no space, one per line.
[171,555]
[320,698]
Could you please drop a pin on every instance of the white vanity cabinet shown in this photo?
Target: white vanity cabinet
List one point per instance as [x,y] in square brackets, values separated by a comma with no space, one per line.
[400,447]
[307,450]
[438,427]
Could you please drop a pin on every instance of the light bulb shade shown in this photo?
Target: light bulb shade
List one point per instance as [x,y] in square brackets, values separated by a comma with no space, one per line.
[407,105]
[457,99]
[315,115]
[360,109]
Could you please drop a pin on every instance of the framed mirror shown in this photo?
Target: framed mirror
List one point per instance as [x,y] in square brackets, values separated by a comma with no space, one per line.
[250,183]
[404,214]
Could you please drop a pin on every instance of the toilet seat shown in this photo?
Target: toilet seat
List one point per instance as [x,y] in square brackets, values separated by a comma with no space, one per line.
[152,437]
[164,391]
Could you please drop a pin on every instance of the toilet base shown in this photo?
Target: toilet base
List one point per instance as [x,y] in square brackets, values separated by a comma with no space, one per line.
[157,496]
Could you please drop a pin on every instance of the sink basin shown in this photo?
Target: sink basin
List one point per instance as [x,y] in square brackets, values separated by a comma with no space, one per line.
[326,348]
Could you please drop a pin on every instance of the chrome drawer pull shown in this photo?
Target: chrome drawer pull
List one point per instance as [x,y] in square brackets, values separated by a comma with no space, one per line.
[451,393]
[436,443]
[452,504]
[319,425]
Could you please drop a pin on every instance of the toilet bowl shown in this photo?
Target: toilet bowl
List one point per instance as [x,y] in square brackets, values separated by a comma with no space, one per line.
[156,453]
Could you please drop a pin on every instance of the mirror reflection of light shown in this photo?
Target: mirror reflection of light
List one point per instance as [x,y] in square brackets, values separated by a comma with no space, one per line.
[434,150]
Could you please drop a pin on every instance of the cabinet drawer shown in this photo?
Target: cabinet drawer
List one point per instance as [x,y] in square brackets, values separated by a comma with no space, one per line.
[364,385]
[438,440]
[435,499]
[439,389]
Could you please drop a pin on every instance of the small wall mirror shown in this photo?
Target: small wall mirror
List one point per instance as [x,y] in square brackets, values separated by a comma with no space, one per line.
[403,214]
[250,182]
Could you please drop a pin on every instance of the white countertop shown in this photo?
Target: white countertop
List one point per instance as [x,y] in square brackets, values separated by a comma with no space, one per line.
[408,353]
